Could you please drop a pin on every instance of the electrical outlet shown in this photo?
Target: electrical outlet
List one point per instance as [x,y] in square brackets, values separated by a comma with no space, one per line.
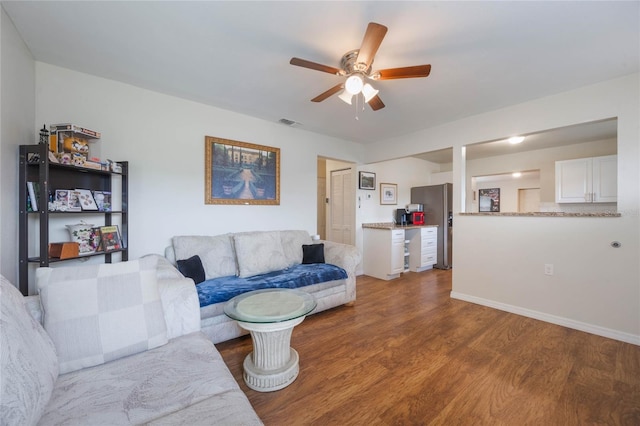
[548,268]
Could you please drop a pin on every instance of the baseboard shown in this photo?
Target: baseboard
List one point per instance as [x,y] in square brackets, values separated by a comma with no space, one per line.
[553,319]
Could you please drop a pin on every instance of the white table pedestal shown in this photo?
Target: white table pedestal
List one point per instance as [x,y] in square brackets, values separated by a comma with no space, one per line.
[273,364]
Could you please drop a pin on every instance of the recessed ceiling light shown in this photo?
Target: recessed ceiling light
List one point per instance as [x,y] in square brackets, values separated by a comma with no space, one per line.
[516,140]
[516,174]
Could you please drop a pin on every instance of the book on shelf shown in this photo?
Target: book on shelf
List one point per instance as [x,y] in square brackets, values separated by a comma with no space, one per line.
[110,236]
[32,189]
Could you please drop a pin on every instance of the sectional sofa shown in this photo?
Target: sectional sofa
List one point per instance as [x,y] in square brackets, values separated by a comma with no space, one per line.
[233,263]
[131,356]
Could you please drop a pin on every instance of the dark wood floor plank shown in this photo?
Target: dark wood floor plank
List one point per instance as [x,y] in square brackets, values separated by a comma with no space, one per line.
[407,354]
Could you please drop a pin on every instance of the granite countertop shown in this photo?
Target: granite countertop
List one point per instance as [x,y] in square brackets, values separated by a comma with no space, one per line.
[546,214]
[391,225]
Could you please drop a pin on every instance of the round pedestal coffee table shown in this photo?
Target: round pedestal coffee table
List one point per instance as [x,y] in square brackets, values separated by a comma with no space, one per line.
[270,315]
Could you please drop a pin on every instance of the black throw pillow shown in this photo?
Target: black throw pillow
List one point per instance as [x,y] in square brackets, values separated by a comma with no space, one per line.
[192,268]
[312,253]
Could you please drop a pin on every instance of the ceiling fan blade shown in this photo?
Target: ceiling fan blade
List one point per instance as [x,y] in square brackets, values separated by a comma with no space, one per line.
[376,103]
[314,66]
[405,72]
[321,97]
[371,42]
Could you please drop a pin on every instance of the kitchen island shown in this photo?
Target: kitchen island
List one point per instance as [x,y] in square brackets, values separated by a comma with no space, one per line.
[390,250]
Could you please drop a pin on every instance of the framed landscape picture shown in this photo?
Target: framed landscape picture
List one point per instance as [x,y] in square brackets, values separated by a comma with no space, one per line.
[241,172]
[489,200]
[388,193]
[367,180]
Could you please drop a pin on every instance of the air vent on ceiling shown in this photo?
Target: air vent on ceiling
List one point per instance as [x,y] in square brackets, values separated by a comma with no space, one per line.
[288,122]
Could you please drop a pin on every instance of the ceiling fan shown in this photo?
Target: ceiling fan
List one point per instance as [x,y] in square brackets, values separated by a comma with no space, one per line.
[356,66]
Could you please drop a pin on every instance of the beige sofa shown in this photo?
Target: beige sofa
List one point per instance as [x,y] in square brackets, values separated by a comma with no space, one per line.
[181,380]
[259,251]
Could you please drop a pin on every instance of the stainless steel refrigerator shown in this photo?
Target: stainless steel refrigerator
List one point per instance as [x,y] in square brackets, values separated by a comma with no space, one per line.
[438,210]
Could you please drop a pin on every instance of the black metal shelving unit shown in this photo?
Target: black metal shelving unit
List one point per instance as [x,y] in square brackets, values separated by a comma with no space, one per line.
[35,167]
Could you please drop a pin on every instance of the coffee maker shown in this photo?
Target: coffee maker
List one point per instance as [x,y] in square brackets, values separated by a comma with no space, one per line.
[402,217]
[413,214]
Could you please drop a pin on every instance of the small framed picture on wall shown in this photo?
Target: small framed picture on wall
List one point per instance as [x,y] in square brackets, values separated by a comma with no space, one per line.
[367,180]
[388,193]
[489,200]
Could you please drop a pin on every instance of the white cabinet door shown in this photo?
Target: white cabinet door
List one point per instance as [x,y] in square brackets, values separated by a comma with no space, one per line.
[573,180]
[397,251]
[383,255]
[587,180]
[605,179]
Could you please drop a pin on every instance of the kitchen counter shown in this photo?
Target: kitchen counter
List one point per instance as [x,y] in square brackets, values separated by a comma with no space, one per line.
[391,225]
[545,214]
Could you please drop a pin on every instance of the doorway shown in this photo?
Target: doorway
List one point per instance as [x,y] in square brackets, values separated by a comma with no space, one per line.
[336,200]
[528,200]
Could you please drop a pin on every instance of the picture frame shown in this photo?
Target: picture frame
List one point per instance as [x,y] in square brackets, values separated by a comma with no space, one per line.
[367,180]
[489,200]
[74,201]
[85,198]
[389,193]
[103,200]
[241,173]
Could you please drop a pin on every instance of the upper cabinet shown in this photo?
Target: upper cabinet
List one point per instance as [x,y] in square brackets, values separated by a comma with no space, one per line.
[587,180]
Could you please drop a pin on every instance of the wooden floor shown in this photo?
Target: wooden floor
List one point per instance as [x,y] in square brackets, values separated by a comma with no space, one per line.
[407,353]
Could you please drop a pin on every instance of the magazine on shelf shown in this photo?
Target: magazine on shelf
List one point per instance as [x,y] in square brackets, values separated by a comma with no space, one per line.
[95,239]
[110,236]
[86,200]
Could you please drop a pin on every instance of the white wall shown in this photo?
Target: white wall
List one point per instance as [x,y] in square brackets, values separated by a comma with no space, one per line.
[17,126]
[509,194]
[499,261]
[162,137]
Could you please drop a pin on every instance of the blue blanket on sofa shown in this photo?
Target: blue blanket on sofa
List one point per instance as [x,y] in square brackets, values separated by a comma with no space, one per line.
[224,288]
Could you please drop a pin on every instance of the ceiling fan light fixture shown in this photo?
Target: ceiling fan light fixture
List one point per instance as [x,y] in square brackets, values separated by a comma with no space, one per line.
[369,92]
[354,84]
[345,97]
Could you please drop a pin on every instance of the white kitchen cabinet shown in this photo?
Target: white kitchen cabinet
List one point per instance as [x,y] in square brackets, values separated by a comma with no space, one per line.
[587,180]
[384,251]
[423,248]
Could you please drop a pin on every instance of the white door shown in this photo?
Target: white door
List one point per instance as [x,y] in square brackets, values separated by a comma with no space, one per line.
[342,206]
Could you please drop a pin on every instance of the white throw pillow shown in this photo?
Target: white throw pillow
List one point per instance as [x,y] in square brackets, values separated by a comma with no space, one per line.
[216,253]
[28,363]
[259,253]
[99,313]
[292,242]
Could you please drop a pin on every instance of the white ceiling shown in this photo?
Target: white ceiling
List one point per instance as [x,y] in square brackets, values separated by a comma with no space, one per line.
[235,55]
